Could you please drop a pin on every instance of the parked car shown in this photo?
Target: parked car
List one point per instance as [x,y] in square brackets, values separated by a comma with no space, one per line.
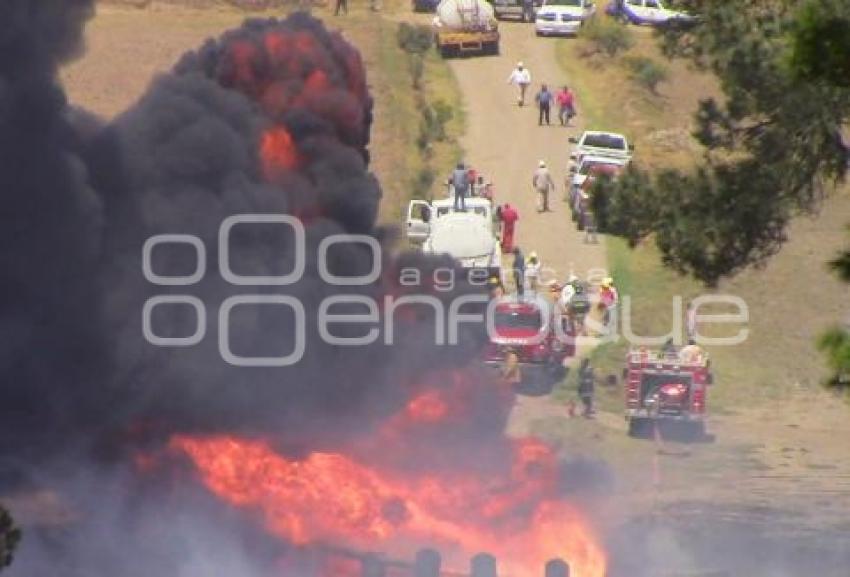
[649,12]
[563,17]
[425,5]
[516,9]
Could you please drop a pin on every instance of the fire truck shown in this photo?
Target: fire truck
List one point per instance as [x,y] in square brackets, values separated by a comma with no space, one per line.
[666,386]
[529,331]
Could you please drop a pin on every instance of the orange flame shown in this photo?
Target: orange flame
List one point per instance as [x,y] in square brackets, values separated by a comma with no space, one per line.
[278,152]
[332,497]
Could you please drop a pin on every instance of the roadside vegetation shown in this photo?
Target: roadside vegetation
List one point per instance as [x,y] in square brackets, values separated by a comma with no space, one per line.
[780,357]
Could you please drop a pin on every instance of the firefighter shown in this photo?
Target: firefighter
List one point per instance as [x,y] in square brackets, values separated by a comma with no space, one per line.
[511,373]
[579,306]
[692,353]
[608,299]
[586,385]
[532,273]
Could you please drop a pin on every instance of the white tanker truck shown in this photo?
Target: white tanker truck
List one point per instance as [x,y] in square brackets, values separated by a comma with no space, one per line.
[466,27]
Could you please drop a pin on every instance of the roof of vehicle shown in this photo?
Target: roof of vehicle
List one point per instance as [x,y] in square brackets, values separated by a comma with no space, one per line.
[470,201]
[598,139]
[461,234]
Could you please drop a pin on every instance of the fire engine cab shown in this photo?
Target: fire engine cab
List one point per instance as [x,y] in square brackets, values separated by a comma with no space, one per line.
[528,330]
[666,386]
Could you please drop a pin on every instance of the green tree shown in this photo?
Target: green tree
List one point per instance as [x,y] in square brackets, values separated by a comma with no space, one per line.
[9,538]
[773,146]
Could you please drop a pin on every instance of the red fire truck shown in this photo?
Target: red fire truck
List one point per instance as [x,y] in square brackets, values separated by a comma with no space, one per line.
[666,386]
[522,326]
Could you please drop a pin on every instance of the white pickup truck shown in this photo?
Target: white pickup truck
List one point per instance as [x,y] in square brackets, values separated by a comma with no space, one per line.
[422,215]
[597,143]
[466,235]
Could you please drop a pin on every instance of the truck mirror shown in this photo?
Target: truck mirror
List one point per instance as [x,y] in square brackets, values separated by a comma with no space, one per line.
[709,379]
[574,169]
[625,373]
[632,147]
[573,140]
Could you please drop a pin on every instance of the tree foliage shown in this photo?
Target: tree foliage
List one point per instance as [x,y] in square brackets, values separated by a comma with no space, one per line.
[9,538]
[771,145]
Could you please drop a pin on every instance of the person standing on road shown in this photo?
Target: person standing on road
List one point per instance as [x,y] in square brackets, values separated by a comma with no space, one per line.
[532,273]
[460,183]
[341,5]
[509,218]
[519,271]
[544,100]
[566,106]
[521,77]
[586,386]
[542,183]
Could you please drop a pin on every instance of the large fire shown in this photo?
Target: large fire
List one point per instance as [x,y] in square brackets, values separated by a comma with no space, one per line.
[427,476]
[345,500]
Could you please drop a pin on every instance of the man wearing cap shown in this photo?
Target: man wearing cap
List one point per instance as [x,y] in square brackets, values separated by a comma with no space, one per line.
[542,183]
[520,77]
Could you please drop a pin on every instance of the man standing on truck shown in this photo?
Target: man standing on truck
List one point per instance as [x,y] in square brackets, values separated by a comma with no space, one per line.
[460,183]
[542,183]
[521,77]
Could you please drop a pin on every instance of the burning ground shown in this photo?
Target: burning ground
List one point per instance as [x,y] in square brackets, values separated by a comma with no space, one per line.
[172,461]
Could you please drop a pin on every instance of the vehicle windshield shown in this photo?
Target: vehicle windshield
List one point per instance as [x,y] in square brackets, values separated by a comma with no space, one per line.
[605,141]
[518,320]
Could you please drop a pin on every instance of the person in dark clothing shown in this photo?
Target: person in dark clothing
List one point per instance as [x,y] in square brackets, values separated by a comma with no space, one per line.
[586,385]
[460,183]
[341,5]
[519,270]
[544,100]
[528,10]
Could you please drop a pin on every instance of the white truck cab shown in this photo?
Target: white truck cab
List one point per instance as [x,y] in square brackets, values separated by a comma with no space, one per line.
[422,215]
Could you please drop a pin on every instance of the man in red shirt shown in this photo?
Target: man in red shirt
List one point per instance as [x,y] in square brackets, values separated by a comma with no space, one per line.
[509,218]
[566,105]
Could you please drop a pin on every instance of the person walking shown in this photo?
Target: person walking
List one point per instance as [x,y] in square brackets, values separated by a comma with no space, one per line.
[521,78]
[509,218]
[341,5]
[586,386]
[544,100]
[519,271]
[566,105]
[460,183]
[609,297]
[542,182]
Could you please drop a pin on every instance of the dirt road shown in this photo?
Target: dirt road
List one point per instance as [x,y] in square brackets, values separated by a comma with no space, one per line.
[505,142]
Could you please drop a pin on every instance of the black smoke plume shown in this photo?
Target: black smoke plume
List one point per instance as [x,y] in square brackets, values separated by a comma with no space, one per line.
[272,118]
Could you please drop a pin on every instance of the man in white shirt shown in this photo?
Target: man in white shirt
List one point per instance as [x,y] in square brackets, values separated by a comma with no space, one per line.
[520,77]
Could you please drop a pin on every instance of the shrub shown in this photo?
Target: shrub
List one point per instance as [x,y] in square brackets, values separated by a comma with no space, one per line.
[608,36]
[414,39]
[647,72]
[423,182]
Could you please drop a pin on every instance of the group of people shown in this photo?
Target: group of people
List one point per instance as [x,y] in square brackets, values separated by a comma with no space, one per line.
[464,182]
[564,98]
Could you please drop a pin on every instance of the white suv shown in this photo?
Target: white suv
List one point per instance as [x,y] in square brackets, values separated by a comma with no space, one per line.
[563,17]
